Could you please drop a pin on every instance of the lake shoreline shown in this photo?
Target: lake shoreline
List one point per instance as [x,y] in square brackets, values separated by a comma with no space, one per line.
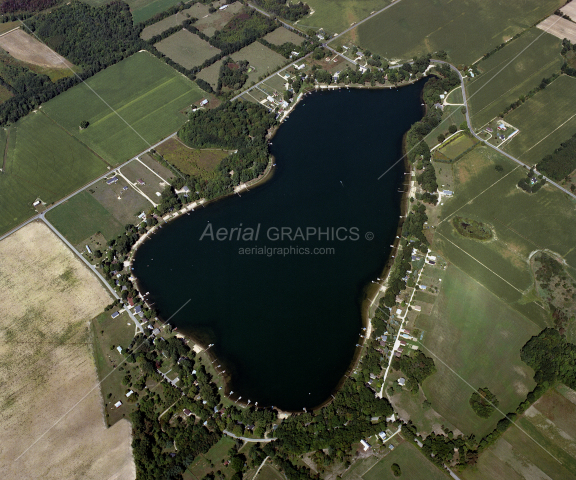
[370,294]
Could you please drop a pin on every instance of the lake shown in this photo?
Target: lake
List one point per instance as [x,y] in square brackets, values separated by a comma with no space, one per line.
[285,323]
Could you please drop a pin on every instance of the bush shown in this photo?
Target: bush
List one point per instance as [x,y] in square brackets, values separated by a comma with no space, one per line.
[396,469]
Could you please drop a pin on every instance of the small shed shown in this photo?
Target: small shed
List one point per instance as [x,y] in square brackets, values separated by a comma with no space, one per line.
[118,404]
[115,314]
[119,348]
[365,444]
[401,381]
[129,393]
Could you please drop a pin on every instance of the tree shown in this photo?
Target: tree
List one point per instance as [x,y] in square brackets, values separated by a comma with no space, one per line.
[84,124]
[483,402]
[396,469]
[499,168]
[452,128]
[441,138]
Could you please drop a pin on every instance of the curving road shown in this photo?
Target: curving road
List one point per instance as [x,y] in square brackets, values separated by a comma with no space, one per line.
[246,439]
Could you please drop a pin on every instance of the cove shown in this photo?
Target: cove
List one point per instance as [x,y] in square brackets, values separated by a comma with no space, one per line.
[285,326]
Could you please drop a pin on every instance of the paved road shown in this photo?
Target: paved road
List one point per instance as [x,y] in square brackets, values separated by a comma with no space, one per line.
[469,122]
[253,440]
[91,267]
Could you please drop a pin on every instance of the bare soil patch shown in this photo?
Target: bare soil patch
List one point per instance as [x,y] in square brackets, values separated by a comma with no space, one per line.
[559,27]
[570,10]
[51,411]
[26,48]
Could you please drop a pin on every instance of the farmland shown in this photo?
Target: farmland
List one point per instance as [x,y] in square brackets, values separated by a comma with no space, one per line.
[146,96]
[544,449]
[465,30]
[187,49]
[451,115]
[47,296]
[545,121]
[191,161]
[559,27]
[474,339]
[282,35]
[198,10]
[512,72]
[215,21]
[457,145]
[41,161]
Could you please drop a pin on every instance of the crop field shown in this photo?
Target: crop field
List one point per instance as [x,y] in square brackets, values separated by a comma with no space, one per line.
[48,373]
[191,161]
[465,30]
[282,35]
[452,115]
[492,197]
[153,186]
[215,21]
[198,10]
[570,10]
[187,49]
[26,48]
[155,165]
[545,121]
[457,145]
[474,339]
[262,58]
[559,27]
[511,72]
[334,16]
[82,216]
[41,161]
[545,449]
[412,462]
[210,74]
[147,94]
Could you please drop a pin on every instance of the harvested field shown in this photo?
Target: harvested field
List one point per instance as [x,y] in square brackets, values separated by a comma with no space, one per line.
[210,74]
[570,10]
[264,60]
[282,35]
[190,160]
[559,27]
[215,21]
[187,49]
[48,373]
[26,48]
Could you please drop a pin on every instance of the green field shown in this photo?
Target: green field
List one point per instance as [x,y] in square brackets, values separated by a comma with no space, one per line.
[466,30]
[334,16]
[544,448]
[470,341]
[511,72]
[191,161]
[412,462]
[455,96]
[187,49]
[219,452]
[42,161]
[82,216]
[451,115]
[545,121]
[282,35]
[142,9]
[267,472]
[146,95]
[457,145]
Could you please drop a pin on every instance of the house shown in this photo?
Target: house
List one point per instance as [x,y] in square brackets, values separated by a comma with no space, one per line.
[270,99]
[489,130]
[401,381]
[141,182]
[130,301]
[439,106]
[295,54]
[118,404]
[119,348]
[88,250]
[365,444]
[142,216]
[432,257]
[382,435]
[205,101]
[187,412]
[398,311]
[112,180]
[391,447]
[501,126]
[115,314]
[156,331]
[36,203]
[129,393]
[137,309]
[417,308]
[447,193]
[223,7]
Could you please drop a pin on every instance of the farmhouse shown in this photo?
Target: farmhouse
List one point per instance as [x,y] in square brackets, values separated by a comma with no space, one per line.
[382,435]
[112,180]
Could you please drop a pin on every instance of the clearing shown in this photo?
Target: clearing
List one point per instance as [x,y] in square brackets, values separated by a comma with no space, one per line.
[191,161]
[545,121]
[546,450]
[41,161]
[534,56]
[282,35]
[186,49]
[465,30]
[209,24]
[559,27]
[26,48]
[48,372]
[147,97]
[198,10]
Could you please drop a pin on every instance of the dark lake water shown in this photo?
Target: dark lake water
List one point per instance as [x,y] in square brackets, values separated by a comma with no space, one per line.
[286,326]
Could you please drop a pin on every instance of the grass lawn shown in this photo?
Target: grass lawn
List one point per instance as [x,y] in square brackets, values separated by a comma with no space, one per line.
[412,462]
[216,455]
[511,72]
[42,161]
[186,48]
[455,96]
[268,472]
[452,115]
[210,74]
[190,160]
[466,30]
[262,58]
[334,16]
[107,332]
[470,341]
[545,449]
[82,216]
[545,121]
[457,145]
[143,90]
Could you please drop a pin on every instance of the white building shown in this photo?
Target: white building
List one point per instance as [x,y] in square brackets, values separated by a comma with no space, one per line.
[365,444]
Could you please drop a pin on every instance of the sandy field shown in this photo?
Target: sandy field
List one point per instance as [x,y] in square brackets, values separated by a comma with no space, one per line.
[26,48]
[51,423]
[559,27]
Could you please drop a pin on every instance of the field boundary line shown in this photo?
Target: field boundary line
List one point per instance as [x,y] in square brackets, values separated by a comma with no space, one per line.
[560,126]
[495,407]
[95,386]
[165,181]
[486,267]
[482,192]
[10,31]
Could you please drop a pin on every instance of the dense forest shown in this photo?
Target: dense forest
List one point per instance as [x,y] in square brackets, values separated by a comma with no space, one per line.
[416,368]
[289,11]
[244,29]
[232,75]
[562,162]
[483,402]
[11,6]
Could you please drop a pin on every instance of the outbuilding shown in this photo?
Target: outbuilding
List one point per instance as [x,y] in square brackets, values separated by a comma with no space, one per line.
[365,444]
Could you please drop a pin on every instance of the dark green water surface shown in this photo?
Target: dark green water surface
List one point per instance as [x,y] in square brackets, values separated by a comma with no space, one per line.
[286,327]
